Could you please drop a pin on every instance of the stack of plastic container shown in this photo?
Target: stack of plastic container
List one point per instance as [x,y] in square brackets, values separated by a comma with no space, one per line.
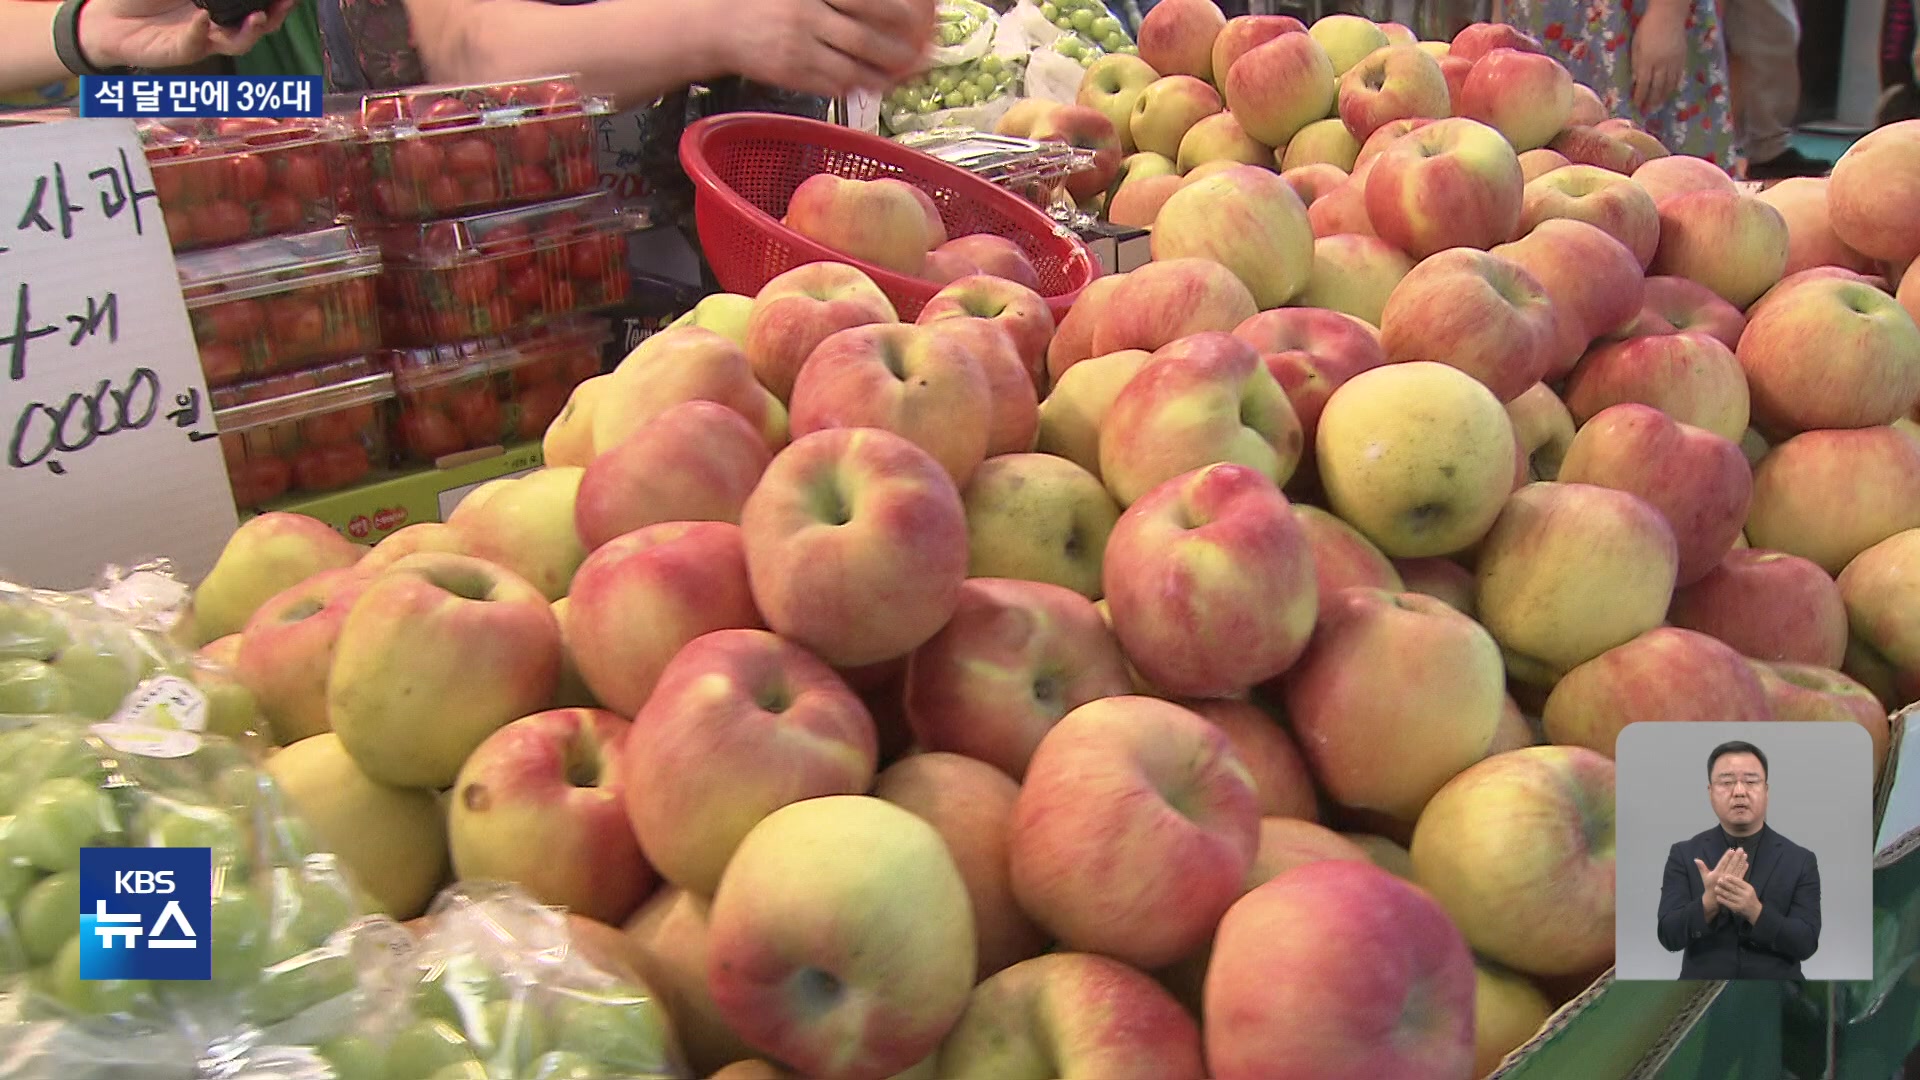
[282,299]
[496,248]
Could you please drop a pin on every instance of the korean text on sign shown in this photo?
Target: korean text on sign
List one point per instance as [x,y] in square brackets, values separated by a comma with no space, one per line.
[146,913]
[174,97]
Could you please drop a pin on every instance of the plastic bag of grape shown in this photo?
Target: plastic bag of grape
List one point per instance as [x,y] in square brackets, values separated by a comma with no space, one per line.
[970,84]
[108,653]
[1068,36]
[500,986]
[283,955]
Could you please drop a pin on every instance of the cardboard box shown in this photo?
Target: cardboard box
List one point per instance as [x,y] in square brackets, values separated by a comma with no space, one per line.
[370,512]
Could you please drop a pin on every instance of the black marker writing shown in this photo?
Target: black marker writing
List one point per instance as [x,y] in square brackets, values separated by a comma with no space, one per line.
[83,419]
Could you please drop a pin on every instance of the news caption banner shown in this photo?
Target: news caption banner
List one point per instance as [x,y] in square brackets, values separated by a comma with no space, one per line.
[146,914]
[112,456]
[175,97]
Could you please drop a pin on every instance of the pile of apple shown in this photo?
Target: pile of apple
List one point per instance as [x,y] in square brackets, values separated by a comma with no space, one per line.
[937,695]
[897,226]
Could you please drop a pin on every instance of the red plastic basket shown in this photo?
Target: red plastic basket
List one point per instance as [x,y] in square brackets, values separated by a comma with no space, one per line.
[745,167]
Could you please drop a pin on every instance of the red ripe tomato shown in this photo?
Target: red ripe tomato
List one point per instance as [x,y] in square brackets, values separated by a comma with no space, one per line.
[303,174]
[528,288]
[430,433]
[476,284]
[447,112]
[206,179]
[330,468]
[533,181]
[529,142]
[417,161]
[510,247]
[179,221]
[578,173]
[480,190]
[544,94]
[562,297]
[248,177]
[236,322]
[233,448]
[592,259]
[259,480]
[280,213]
[169,183]
[443,193]
[325,429]
[451,324]
[472,156]
[477,411]
[299,326]
[538,407]
[533,373]
[221,222]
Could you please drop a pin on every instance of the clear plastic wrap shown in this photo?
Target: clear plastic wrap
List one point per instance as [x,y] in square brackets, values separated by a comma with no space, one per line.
[494,987]
[109,654]
[283,955]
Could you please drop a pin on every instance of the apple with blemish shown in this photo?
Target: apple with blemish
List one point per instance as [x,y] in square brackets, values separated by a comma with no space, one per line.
[1038,517]
[541,804]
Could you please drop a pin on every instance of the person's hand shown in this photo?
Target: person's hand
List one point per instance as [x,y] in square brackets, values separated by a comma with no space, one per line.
[1658,57]
[1737,895]
[1710,881]
[167,33]
[825,47]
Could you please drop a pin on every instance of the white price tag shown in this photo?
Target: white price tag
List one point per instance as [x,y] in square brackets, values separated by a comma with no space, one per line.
[106,430]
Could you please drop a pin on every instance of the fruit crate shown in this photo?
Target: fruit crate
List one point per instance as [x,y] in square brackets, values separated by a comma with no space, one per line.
[306,432]
[491,391]
[225,181]
[282,303]
[489,274]
[430,151]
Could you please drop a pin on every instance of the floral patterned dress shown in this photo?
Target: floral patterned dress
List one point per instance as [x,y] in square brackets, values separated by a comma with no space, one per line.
[1593,38]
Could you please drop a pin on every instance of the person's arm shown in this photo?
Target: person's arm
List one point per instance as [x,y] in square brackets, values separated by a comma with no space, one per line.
[120,33]
[1795,929]
[636,50]
[1682,918]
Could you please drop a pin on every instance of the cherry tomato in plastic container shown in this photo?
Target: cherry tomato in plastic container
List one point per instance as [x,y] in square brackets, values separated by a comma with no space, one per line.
[221,182]
[499,271]
[453,149]
[282,303]
[489,391]
[305,433]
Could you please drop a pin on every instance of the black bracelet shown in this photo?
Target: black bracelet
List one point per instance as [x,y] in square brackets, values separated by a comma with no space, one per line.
[66,42]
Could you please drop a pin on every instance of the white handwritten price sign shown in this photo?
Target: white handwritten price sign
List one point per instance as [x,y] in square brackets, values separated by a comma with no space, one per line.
[111,455]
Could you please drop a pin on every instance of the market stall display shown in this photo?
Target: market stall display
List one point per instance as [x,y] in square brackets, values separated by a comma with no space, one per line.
[224,181]
[310,431]
[489,392]
[280,304]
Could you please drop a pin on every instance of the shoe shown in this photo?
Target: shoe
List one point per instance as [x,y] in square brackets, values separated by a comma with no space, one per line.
[1786,165]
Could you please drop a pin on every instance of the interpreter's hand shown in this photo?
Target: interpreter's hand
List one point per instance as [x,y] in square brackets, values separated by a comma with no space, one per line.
[1710,881]
[167,33]
[826,47]
[1658,58]
[1737,895]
